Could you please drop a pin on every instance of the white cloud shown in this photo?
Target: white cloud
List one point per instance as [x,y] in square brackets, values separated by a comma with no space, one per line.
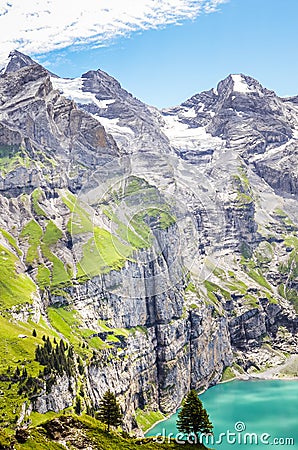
[39,26]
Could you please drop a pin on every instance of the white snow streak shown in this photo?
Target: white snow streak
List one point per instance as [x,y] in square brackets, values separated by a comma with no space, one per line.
[111,126]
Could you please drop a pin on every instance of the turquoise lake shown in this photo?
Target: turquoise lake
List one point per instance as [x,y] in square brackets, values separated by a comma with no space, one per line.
[251,414]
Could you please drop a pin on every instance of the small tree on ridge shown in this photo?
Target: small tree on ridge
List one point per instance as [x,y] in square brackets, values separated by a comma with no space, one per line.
[109,411]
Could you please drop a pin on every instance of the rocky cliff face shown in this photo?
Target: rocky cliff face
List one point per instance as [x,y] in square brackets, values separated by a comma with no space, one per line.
[161,246]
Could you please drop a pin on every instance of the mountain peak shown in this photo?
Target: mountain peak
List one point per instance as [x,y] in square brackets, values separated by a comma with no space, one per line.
[241,84]
[15,61]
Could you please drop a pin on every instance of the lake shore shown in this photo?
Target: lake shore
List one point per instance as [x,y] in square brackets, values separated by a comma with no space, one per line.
[170,415]
[262,407]
[285,371]
[273,373]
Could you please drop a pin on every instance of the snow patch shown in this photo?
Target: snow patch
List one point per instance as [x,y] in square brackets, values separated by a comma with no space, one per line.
[73,89]
[104,103]
[189,113]
[112,127]
[240,84]
[183,137]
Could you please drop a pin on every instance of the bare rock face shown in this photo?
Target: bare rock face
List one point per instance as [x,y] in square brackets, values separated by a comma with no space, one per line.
[60,396]
[168,239]
[46,130]
[280,170]
[16,61]
[133,124]
[246,108]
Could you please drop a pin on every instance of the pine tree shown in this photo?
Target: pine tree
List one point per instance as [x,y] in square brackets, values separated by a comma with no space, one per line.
[90,410]
[48,345]
[78,406]
[62,346]
[70,353]
[109,411]
[193,417]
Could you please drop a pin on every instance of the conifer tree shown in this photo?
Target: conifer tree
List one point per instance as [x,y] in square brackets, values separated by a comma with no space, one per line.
[109,411]
[48,345]
[193,417]
[78,406]
[62,346]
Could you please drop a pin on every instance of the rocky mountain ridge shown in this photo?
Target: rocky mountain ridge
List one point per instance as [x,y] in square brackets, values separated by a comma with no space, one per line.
[161,246]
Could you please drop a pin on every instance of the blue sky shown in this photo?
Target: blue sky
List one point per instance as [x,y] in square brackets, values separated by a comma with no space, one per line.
[165,63]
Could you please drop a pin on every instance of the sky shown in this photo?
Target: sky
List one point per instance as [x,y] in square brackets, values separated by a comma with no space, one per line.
[162,51]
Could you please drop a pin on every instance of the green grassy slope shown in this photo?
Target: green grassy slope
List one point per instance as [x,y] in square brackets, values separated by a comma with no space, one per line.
[82,433]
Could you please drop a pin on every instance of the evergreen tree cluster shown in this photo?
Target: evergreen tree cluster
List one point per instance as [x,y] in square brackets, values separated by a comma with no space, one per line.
[26,383]
[30,386]
[58,358]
